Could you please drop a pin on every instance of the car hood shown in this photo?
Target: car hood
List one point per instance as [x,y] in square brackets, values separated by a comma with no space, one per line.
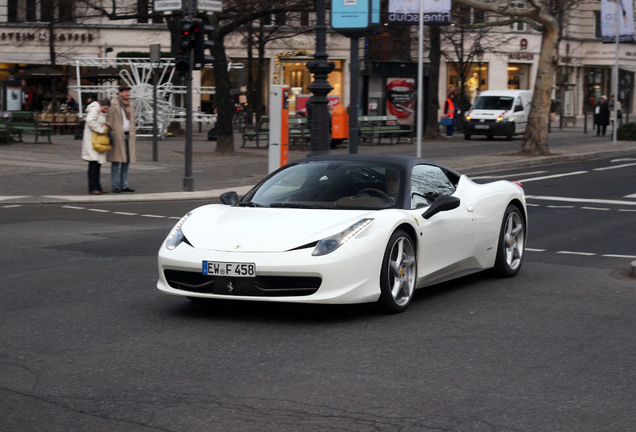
[249,229]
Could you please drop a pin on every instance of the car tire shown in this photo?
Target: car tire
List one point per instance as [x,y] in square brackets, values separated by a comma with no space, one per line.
[467,137]
[398,274]
[511,243]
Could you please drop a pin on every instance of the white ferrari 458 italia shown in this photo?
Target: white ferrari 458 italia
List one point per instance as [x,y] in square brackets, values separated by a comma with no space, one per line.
[346,229]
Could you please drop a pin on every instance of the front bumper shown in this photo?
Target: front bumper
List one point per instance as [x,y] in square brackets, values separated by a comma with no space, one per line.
[476,127]
[350,275]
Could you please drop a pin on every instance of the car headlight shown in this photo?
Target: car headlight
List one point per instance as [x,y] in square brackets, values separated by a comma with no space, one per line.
[330,244]
[176,235]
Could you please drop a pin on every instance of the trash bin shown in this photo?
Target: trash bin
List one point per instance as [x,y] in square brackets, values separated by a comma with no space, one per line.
[339,125]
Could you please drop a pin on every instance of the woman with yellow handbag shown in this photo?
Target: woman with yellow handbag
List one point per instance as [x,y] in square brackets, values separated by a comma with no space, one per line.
[95,130]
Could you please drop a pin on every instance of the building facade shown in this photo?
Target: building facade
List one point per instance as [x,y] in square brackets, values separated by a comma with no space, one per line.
[36,33]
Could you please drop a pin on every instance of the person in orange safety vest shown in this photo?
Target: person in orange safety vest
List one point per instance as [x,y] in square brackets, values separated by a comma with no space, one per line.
[449,111]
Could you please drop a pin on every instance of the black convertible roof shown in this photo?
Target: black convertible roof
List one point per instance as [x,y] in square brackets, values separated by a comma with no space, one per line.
[403,161]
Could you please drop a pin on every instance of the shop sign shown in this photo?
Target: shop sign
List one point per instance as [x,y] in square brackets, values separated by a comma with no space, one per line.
[167,5]
[57,37]
[407,12]
[521,56]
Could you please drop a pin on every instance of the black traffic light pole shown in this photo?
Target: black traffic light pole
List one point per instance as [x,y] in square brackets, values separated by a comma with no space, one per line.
[191,56]
[183,65]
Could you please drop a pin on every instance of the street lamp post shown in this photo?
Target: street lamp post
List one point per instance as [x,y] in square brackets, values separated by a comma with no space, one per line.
[320,87]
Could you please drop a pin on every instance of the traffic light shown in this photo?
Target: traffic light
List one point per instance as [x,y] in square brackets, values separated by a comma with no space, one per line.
[202,43]
[185,44]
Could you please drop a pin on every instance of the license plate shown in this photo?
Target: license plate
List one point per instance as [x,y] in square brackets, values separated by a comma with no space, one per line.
[230,269]
[482,127]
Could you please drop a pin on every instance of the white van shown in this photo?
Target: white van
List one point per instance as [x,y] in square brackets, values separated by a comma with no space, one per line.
[498,112]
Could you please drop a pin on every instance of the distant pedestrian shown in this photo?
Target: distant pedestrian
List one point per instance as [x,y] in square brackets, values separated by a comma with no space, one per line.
[121,118]
[95,122]
[449,111]
[616,111]
[601,116]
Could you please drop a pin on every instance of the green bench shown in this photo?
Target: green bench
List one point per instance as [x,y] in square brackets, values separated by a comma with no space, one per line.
[372,127]
[5,127]
[16,123]
[299,134]
[258,134]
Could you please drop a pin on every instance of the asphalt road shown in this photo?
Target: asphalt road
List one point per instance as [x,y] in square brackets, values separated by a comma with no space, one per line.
[87,342]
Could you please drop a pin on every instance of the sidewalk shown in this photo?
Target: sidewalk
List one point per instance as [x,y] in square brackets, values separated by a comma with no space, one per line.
[55,173]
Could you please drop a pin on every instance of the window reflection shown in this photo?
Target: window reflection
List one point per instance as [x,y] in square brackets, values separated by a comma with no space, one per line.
[427,183]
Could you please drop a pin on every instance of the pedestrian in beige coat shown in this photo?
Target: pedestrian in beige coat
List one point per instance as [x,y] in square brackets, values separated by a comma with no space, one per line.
[121,118]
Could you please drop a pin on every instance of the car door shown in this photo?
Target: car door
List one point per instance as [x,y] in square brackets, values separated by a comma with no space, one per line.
[446,241]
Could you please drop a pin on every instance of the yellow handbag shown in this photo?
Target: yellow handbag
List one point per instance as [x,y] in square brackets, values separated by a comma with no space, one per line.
[101,142]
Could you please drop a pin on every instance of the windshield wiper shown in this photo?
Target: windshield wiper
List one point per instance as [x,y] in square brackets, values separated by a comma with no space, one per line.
[248,204]
[288,205]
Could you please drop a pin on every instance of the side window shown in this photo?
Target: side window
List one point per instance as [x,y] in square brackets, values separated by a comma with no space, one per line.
[518,105]
[427,183]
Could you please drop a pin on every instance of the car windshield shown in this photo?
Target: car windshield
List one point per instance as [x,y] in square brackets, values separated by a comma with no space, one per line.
[330,185]
[494,102]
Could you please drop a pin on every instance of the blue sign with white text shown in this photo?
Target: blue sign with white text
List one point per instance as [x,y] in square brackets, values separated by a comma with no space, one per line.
[355,17]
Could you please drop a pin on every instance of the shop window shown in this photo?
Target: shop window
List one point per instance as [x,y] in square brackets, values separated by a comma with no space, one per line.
[519,76]
[294,73]
[597,80]
[476,80]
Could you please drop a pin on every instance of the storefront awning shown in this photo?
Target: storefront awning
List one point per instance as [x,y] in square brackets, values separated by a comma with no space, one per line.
[41,72]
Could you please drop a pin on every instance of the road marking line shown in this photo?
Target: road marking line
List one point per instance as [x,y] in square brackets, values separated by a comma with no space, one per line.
[73,207]
[125,213]
[580,200]
[576,253]
[552,176]
[595,208]
[614,167]
[584,253]
[152,216]
[98,210]
[486,177]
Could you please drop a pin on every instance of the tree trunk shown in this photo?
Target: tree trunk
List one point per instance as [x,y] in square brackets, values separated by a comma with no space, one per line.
[260,79]
[250,73]
[222,98]
[432,103]
[535,139]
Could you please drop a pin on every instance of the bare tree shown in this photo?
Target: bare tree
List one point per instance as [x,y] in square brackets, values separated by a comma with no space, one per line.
[547,17]
[258,35]
[235,15]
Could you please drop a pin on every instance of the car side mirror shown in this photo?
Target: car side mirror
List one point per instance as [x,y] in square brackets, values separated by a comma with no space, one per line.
[442,203]
[229,198]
